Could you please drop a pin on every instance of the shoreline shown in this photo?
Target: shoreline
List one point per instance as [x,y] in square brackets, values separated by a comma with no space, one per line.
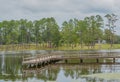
[33,52]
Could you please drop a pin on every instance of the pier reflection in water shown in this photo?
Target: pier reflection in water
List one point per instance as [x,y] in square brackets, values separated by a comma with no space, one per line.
[71,71]
[11,70]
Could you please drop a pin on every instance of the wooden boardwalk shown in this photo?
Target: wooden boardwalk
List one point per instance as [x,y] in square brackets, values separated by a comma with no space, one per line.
[41,59]
[50,59]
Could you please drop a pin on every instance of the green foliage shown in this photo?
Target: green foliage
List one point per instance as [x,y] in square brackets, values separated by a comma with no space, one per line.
[72,32]
[112,18]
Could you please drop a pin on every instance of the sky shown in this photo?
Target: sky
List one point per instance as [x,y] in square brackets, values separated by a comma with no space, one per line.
[61,10]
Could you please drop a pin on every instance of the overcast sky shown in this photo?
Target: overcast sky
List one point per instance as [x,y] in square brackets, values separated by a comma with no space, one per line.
[61,10]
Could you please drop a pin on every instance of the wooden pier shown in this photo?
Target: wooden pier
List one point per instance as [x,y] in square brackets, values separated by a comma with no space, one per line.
[41,61]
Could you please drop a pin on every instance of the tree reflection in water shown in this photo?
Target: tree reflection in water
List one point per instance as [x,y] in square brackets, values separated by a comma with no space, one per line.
[13,71]
[45,73]
[12,67]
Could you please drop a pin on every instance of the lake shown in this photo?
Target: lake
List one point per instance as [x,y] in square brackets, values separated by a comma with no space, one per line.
[11,69]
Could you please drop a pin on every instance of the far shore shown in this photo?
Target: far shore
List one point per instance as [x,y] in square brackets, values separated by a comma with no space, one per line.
[34,52]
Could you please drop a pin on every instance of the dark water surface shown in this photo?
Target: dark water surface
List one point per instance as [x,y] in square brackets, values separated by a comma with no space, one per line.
[11,69]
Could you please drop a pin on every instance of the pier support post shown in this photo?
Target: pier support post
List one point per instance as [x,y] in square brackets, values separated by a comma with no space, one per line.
[43,64]
[97,60]
[39,65]
[53,61]
[81,60]
[113,60]
[66,61]
[36,65]
[50,61]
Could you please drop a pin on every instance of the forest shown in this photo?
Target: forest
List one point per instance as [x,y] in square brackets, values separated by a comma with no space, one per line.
[89,31]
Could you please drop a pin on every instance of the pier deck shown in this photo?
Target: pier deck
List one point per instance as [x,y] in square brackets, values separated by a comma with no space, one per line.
[48,59]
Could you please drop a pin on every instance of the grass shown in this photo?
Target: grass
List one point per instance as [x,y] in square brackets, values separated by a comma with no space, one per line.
[96,47]
[18,47]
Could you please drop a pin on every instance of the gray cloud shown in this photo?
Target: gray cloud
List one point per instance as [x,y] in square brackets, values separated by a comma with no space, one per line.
[60,9]
[54,6]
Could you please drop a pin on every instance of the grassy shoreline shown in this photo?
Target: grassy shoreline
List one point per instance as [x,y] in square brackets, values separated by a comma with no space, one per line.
[18,47]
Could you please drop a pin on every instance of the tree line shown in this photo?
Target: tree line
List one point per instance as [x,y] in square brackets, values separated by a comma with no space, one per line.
[88,31]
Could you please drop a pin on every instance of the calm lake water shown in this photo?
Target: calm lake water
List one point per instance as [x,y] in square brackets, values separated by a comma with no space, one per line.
[11,68]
